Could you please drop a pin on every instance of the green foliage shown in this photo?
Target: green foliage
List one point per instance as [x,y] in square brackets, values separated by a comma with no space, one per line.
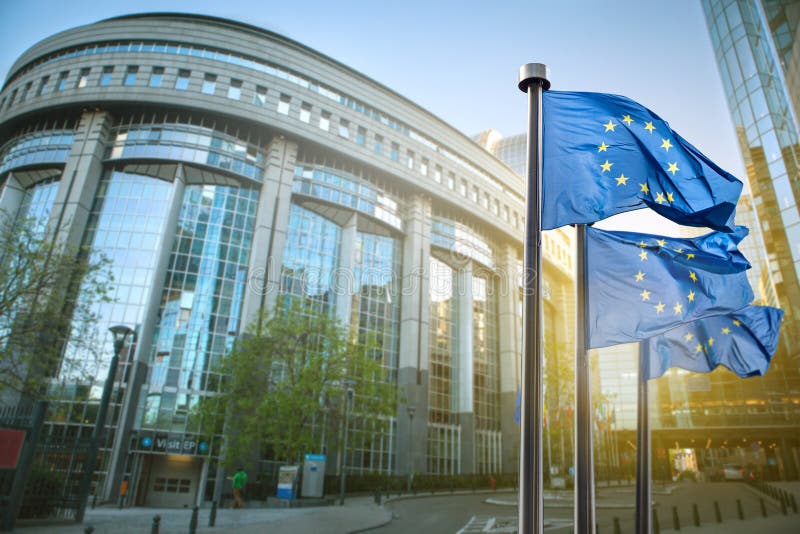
[287,381]
[43,492]
[39,312]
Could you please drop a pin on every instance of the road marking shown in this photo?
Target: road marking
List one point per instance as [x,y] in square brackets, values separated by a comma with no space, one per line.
[504,524]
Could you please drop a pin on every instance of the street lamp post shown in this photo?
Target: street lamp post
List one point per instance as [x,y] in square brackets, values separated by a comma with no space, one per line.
[121,334]
[411,410]
[350,393]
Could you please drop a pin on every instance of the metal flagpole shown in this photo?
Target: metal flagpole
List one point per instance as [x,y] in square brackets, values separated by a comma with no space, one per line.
[643,467]
[584,465]
[533,79]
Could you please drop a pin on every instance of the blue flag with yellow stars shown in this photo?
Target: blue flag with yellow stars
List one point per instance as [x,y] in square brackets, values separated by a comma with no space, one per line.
[640,285]
[605,154]
[743,341]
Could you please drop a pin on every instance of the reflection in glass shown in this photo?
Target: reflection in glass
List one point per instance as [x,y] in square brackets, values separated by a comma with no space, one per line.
[201,303]
[310,255]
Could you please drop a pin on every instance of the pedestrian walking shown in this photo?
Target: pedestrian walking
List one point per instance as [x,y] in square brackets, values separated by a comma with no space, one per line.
[239,482]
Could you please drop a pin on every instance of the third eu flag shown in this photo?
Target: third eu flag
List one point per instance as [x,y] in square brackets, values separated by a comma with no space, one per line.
[743,341]
[641,285]
[606,154]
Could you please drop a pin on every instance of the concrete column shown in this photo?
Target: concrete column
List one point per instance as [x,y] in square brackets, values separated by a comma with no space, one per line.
[10,198]
[269,234]
[464,368]
[137,374]
[412,375]
[508,336]
[344,279]
[82,173]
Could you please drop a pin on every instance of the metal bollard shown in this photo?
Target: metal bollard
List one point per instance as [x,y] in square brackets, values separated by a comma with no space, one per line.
[212,517]
[784,510]
[193,521]
[793,502]
[763,507]
[695,515]
[717,513]
[739,510]
[94,501]
[89,529]
[656,525]
[676,522]
[156,524]
[617,530]
[378,496]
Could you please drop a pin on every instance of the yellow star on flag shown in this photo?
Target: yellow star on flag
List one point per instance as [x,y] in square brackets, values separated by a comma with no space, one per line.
[660,198]
[644,188]
[639,276]
[693,276]
[673,168]
[649,126]
[690,296]
[711,342]
[678,308]
[689,255]
[627,119]
[665,144]
[610,126]
[642,244]
[645,294]
[679,250]
[670,198]
[726,330]
[688,337]
[622,180]
[661,242]
[698,348]
[659,307]
[606,166]
[603,147]
[643,255]
[736,322]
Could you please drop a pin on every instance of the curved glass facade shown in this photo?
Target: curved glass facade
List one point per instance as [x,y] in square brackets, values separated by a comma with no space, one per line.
[334,186]
[125,227]
[461,240]
[310,256]
[199,315]
[190,144]
[36,148]
[37,203]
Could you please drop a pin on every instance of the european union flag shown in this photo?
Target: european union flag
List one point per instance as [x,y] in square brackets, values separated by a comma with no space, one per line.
[605,154]
[743,341]
[641,285]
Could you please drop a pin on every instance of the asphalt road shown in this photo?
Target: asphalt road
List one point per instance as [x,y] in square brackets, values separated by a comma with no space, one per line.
[449,514]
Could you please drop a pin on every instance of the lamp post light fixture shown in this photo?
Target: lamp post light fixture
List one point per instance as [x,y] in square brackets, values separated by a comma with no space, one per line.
[348,399]
[121,333]
[411,411]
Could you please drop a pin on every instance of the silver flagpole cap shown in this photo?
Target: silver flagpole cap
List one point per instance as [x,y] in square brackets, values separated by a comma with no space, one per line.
[531,72]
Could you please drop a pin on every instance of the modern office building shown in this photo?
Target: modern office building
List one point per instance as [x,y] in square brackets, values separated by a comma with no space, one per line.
[719,418]
[220,165]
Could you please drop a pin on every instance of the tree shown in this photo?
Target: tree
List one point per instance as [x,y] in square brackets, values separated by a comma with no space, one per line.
[48,294]
[287,379]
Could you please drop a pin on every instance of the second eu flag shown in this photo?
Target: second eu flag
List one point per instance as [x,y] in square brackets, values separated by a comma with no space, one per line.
[606,154]
[641,285]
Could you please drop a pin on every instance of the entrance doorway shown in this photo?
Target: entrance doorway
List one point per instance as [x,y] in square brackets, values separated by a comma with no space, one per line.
[172,481]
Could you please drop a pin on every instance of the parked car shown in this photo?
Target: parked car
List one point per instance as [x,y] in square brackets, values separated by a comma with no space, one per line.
[733,472]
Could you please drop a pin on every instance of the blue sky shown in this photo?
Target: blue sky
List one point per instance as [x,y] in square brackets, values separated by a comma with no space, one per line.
[459,59]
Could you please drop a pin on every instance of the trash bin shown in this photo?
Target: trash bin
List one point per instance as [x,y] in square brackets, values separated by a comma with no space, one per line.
[313,476]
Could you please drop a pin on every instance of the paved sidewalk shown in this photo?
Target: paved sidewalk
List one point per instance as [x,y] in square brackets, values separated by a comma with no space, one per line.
[358,513]
[789,524]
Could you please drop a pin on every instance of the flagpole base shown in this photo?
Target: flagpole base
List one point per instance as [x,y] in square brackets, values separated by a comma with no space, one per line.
[533,72]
